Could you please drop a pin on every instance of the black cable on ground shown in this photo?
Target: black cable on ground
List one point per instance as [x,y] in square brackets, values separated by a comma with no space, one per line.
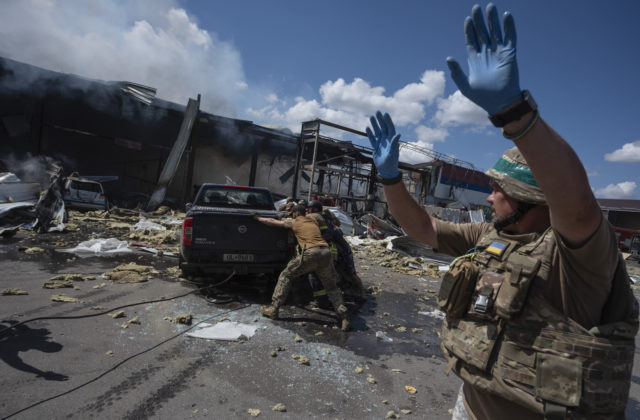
[118,364]
[118,307]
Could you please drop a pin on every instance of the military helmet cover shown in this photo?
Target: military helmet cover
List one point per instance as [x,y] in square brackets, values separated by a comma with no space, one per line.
[512,173]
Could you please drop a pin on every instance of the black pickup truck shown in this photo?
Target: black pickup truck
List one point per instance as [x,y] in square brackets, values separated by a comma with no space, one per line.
[219,234]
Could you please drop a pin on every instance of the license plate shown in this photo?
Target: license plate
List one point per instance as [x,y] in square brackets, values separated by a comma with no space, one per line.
[238,257]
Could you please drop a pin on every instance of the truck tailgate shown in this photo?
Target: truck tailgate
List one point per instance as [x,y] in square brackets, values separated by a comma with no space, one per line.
[236,237]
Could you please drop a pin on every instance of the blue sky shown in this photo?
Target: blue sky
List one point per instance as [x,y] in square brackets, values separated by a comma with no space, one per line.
[282,62]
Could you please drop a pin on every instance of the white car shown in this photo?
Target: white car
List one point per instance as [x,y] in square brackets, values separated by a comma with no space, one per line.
[85,194]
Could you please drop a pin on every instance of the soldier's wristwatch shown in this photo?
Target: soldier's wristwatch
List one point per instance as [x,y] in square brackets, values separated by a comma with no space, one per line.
[525,105]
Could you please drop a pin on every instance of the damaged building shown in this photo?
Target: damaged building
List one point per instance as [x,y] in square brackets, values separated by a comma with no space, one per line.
[147,146]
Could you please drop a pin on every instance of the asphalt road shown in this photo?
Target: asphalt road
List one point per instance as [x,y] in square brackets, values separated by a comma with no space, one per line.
[92,367]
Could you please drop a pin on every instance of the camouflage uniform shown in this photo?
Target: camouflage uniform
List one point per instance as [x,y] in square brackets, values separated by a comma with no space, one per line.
[316,259]
[314,256]
[535,327]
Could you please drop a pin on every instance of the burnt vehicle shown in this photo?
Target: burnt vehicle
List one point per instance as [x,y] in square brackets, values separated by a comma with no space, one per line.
[84,194]
[220,234]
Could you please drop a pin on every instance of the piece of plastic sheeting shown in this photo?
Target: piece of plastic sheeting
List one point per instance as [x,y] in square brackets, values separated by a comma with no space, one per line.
[100,247]
[227,331]
[144,224]
[436,313]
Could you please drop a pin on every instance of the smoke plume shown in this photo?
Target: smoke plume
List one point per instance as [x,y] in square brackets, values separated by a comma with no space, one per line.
[151,42]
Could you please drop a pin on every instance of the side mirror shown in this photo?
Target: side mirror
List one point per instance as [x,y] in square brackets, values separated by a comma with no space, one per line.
[188,206]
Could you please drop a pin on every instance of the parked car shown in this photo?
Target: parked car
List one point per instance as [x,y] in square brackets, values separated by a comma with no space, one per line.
[84,194]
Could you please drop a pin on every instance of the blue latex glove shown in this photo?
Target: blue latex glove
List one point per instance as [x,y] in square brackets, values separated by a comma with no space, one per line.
[384,142]
[493,81]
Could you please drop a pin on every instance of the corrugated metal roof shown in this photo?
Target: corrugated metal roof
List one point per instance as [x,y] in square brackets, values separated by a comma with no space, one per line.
[631,206]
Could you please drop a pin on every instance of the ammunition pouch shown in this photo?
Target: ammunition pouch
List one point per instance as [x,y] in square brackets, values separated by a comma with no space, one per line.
[457,287]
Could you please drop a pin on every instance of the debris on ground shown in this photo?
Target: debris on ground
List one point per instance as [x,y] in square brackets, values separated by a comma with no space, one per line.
[109,353]
[302,360]
[13,292]
[67,277]
[433,314]
[119,314]
[279,407]
[182,319]
[405,411]
[391,415]
[145,224]
[100,247]
[57,284]
[254,412]
[358,369]
[130,273]
[97,308]
[33,250]
[298,339]
[410,389]
[371,379]
[64,298]
[382,336]
[227,331]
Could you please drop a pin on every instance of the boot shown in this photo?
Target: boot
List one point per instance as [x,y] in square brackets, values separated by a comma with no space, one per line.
[345,325]
[269,311]
[343,313]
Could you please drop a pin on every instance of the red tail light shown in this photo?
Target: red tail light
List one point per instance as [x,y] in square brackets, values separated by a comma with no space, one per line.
[101,196]
[187,231]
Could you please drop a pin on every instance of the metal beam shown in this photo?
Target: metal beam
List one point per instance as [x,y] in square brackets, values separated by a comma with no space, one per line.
[173,160]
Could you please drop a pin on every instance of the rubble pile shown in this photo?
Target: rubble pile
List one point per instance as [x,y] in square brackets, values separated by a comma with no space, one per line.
[380,252]
[159,230]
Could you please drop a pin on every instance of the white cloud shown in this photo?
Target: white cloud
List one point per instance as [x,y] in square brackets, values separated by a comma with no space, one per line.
[152,42]
[431,86]
[630,152]
[411,154]
[458,110]
[621,190]
[431,135]
[351,104]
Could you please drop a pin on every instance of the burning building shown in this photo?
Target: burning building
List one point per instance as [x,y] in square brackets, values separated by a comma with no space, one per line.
[122,130]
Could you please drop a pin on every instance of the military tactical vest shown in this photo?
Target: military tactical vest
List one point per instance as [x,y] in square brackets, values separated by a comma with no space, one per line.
[502,336]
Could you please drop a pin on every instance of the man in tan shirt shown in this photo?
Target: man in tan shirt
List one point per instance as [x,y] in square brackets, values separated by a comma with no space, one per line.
[314,256]
[550,251]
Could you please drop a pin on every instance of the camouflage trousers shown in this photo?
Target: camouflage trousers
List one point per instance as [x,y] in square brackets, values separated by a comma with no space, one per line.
[318,260]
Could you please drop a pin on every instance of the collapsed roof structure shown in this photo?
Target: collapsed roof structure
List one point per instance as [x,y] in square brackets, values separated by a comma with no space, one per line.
[122,130]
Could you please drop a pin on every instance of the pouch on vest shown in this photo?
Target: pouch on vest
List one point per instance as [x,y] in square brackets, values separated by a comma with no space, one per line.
[457,287]
[558,379]
[520,272]
[484,296]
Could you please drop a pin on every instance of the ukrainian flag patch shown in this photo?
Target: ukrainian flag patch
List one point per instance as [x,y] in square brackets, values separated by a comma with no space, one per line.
[496,248]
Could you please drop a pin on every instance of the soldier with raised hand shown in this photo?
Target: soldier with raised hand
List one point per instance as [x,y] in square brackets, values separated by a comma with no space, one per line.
[540,319]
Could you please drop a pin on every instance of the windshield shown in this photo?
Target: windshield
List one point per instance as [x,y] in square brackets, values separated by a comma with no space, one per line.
[220,196]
